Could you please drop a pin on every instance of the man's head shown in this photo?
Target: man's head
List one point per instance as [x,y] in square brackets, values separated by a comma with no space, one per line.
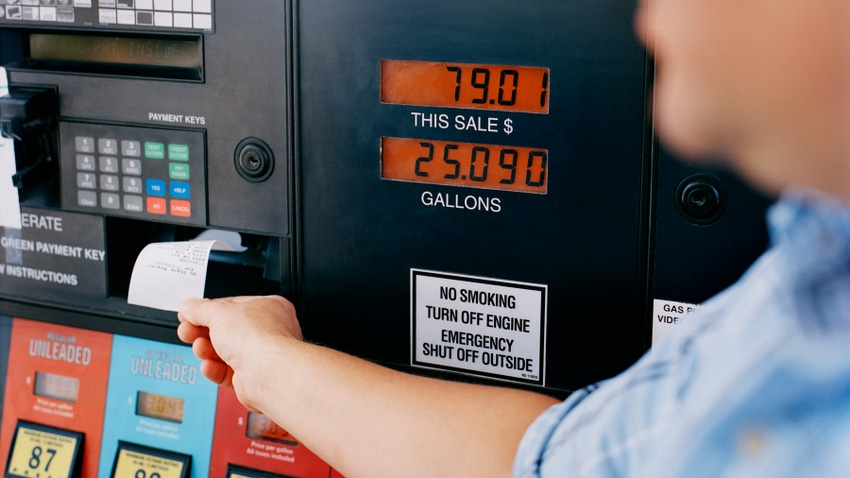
[763,84]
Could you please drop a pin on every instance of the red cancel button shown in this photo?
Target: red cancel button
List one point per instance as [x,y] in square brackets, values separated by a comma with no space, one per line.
[181,208]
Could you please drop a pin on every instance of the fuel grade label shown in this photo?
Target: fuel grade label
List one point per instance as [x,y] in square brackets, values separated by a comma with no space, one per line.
[488,327]
[43,451]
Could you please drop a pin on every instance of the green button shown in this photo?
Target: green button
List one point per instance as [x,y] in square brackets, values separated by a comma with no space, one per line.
[154,150]
[178,152]
[178,171]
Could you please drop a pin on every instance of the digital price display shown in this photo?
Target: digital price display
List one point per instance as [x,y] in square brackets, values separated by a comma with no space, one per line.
[262,428]
[39,450]
[154,405]
[505,168]
[521,89]
[184,52]
[132,460]
[50,385]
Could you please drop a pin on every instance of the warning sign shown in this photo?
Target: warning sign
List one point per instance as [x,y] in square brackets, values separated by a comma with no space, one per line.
[488,327]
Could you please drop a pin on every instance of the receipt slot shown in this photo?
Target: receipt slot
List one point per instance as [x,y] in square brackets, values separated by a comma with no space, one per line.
[55,393]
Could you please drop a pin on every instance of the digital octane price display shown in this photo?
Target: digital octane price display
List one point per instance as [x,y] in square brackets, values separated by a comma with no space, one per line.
[506,168]
[262,428]
[59,387]
[153,405]
[520,89]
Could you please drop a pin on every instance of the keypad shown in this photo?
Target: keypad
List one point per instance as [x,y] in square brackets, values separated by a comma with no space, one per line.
[134,172]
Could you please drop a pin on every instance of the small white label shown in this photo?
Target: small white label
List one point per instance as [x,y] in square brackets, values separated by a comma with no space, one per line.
[488,327]
[667,314]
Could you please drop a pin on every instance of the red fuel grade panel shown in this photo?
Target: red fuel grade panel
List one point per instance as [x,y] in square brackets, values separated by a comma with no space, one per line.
[252,441]
[59,379]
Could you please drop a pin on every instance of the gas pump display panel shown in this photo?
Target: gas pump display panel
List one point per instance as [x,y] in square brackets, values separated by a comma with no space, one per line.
[493,145]
[130,127]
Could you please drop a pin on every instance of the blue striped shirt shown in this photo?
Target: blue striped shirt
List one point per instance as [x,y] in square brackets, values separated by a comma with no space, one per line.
[754,384]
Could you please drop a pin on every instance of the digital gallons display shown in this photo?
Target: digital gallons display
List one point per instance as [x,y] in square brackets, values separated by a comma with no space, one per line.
[507,168]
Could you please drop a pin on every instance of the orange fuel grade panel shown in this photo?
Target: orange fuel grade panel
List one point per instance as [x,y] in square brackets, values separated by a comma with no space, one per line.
[253,441]
[59,379]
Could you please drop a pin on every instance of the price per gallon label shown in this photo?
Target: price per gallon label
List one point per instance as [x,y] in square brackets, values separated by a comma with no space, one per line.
[43,452]
[141,464]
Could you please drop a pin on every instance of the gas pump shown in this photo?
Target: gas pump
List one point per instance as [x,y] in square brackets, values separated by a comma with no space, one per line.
[464,190]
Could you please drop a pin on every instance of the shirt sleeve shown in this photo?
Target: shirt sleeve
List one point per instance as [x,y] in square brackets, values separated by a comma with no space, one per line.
[531,449]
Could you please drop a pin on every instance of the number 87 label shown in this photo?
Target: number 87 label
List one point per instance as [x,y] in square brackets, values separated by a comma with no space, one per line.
[43,451]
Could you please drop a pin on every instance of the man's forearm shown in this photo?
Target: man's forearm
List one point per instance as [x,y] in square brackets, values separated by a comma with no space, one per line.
[367,420]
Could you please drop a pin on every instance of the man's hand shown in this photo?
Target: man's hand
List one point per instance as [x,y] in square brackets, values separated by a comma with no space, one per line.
[235,337]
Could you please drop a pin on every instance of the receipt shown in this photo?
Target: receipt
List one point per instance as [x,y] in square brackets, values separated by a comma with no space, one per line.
[10,208]
[166,273]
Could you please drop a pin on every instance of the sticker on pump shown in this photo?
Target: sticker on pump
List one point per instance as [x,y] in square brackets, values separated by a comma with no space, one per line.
[142,461]
[482,326]
[668,314]
[39,450]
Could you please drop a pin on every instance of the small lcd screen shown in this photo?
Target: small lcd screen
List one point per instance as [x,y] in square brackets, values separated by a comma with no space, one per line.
[50,385]
[521,89]
[124,54]
[262,428]
[488,166]
[153,405]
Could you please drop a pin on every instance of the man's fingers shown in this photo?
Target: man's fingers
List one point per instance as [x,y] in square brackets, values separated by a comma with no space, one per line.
[217,372]
[188,312]
[189,333]
[204,350]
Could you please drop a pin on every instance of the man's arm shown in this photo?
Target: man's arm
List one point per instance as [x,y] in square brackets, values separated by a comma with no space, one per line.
[363,419]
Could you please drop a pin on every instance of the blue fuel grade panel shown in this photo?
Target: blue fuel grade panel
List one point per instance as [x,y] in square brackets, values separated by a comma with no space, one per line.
[158,398]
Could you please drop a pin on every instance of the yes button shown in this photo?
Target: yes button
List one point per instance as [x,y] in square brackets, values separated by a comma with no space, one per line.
[155,187]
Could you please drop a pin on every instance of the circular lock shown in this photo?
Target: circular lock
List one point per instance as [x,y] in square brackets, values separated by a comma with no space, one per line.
[701,199]
[254,160]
